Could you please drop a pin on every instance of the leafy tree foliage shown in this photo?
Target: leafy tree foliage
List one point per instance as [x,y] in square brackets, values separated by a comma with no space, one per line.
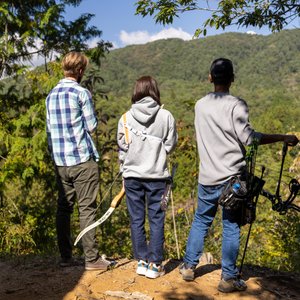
[39,27]
[274,14]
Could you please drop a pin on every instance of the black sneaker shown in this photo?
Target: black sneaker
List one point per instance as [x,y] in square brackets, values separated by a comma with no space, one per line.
[187,271]
[232,285]
[69,262]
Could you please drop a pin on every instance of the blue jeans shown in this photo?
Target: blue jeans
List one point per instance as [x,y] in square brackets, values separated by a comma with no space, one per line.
[141,193]
[204,216]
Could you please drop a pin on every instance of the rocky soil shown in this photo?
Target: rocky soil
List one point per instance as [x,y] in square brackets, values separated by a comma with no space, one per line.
[43,279]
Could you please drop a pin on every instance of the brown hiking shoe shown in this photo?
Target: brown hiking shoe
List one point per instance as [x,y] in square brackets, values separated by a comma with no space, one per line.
[232,285]
[100,264]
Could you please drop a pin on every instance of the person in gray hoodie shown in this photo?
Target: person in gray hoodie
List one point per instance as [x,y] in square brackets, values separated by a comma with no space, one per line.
[146,135]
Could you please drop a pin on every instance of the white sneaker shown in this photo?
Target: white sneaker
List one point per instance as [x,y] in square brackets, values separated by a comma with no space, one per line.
[142,267]
[155,271]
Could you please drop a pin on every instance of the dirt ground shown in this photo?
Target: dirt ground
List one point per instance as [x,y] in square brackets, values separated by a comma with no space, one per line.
[43,279]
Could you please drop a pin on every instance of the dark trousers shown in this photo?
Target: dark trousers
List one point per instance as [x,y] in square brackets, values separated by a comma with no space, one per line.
[142,195]
[81,182]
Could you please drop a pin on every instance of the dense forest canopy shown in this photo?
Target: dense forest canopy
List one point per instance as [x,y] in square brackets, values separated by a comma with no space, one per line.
[267,70]
[39,28]
[273,14]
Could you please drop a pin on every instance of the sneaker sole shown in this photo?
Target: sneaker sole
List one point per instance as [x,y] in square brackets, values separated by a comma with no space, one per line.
[153,275]
[231,289]
[141,272]
[226,290]
[188,278]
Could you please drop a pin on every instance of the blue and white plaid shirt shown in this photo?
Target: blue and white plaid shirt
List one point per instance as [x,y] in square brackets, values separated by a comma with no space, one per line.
[70,120]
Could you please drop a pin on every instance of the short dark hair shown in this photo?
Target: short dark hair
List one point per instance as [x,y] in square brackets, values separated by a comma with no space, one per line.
[146,86]
[221,71]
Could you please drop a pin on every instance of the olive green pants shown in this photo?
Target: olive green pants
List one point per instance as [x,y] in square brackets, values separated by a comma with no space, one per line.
[79,182]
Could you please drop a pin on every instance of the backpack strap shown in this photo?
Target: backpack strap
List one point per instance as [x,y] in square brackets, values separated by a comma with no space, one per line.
[143,134]
[126,132]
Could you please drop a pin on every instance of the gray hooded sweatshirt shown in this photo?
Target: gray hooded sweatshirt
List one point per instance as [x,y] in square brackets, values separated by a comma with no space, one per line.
[152,135]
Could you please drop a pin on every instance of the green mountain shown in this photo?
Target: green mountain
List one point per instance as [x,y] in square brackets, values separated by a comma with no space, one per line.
[260,61]
[267,70]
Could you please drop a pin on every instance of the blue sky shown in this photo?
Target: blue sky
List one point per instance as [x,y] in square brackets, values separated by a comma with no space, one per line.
[120,25]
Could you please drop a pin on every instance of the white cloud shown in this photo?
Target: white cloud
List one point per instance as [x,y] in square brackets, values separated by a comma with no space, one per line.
[93,43]
[251,32]
[142,37]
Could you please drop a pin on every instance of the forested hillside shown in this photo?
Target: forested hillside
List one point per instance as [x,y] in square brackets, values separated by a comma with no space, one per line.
[267,70]
[256,57]
[266,67]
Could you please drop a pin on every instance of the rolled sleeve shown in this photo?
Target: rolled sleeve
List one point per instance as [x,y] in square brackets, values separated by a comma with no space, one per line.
[88,113]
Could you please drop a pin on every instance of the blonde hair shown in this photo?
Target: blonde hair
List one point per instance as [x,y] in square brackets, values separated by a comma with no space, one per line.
[73,62]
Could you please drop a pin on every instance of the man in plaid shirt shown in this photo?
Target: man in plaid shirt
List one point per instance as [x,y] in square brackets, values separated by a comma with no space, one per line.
[70,121]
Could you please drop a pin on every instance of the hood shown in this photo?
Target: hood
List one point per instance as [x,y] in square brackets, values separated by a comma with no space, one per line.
[144,110]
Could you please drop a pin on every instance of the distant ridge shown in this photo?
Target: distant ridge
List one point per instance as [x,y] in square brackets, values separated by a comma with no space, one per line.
[260,61]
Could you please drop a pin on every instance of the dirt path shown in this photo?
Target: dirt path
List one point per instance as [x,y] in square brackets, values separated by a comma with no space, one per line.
[42,279]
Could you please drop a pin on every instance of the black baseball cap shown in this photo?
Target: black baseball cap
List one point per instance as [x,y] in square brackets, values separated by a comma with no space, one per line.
[221,71]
